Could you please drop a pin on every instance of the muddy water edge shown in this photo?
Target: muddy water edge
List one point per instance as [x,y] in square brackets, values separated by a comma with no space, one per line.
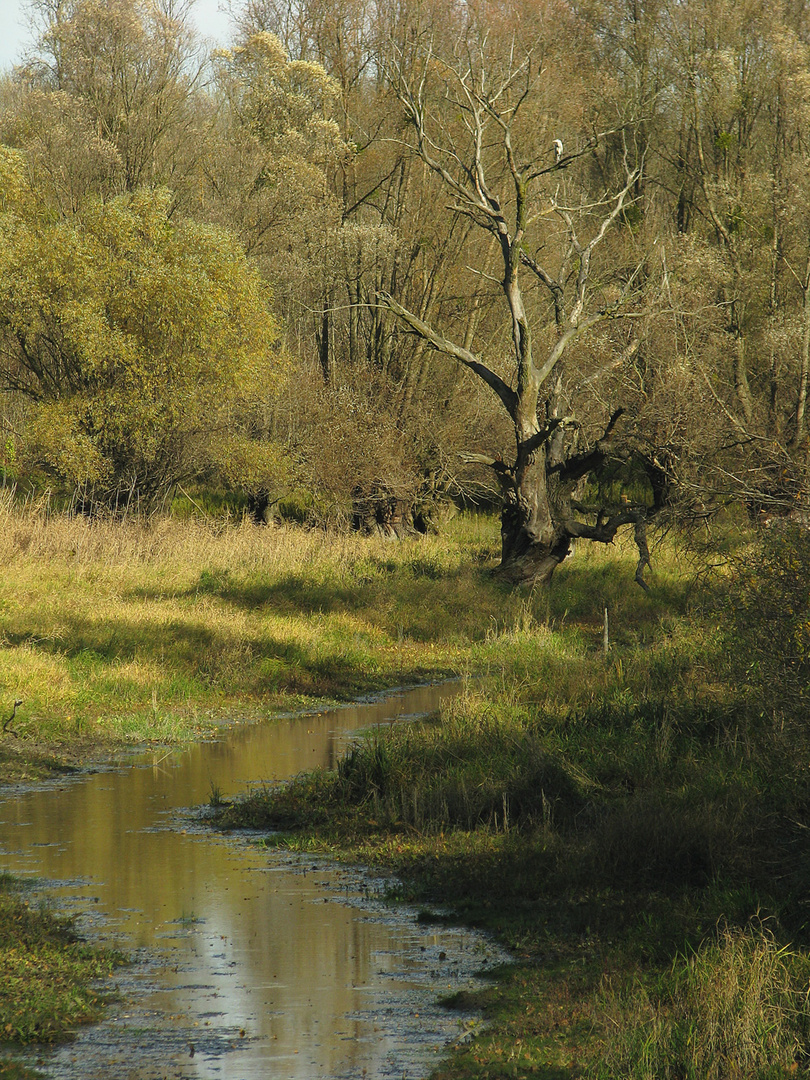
[249,963]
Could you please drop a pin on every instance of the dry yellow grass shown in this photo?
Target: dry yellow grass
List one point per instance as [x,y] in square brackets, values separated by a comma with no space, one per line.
[133,627]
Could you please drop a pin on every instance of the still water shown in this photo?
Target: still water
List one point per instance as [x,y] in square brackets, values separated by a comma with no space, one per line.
[249,963]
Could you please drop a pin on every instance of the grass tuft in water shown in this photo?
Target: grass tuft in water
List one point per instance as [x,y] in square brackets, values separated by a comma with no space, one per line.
[49,979]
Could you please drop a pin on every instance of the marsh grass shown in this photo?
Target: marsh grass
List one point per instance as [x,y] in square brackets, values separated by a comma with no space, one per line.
[737,1008]
[49,979]
[145,629]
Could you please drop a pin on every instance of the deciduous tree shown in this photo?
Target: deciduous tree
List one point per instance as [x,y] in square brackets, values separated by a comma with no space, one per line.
[482,124]
[139,342]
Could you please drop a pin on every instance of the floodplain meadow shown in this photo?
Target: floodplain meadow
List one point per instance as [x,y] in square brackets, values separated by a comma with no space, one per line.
[632,820]
[153,630]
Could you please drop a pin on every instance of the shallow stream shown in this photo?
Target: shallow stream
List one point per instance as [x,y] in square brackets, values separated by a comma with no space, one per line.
[251,963]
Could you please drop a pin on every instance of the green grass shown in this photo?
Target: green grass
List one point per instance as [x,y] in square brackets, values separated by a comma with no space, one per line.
[148,630]
[737,1006]
[49,980]
[635,826]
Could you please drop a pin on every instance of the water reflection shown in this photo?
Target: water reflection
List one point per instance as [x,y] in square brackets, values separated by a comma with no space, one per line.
[260,965]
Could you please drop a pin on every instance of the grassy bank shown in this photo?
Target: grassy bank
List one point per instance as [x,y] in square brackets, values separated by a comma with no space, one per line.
[635,826]
[50,981]
[143,631]
[156,631]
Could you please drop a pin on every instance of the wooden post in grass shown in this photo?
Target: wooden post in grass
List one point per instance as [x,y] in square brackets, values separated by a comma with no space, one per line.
[605,635]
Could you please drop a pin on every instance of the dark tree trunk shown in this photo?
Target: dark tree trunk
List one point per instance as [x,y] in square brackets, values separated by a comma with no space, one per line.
[322,341]
[531,545]
[524,558]
[534,537]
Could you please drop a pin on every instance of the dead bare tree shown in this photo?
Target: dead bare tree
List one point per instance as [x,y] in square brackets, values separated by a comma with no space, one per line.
[475,124]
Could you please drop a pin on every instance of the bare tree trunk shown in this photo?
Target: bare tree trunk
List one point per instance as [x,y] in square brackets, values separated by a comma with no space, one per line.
[532,547]
[741,384]
[804,372]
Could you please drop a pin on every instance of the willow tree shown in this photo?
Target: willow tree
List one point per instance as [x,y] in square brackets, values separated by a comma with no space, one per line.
[269,177]
[485,117]
[117,86]
[138,342]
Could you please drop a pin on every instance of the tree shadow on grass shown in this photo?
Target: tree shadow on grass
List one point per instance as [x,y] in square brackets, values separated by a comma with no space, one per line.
[189,659]
[417,601]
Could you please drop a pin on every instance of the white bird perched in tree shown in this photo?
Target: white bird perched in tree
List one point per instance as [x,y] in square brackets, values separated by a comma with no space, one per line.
[558,151]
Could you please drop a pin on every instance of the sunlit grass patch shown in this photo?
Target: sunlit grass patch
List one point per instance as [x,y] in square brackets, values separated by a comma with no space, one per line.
[736,1007]
[136,626]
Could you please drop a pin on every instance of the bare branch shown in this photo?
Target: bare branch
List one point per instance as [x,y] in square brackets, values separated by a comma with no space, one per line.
[533,443]
[497,464]
[556,288]
[623,358]
[441,344]
[564,340]
[6,728]
[579,465]
[640,537]
[585,252]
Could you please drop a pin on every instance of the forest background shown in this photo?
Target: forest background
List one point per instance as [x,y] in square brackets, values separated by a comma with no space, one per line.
[278,269]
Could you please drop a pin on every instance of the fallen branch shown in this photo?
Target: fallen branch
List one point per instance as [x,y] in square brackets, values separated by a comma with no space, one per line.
[8,730]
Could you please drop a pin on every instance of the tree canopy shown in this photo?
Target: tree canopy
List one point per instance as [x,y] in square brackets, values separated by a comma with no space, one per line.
[549,253]
[135,340]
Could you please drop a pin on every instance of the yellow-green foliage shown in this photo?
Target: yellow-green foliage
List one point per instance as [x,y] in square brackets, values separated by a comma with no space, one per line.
[736,1009]
[285,103]
[137,337]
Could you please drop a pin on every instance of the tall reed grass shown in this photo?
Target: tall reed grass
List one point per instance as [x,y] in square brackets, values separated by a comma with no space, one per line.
[737,1008]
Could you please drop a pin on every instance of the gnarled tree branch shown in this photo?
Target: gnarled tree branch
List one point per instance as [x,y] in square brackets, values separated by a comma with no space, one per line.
[444,345]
